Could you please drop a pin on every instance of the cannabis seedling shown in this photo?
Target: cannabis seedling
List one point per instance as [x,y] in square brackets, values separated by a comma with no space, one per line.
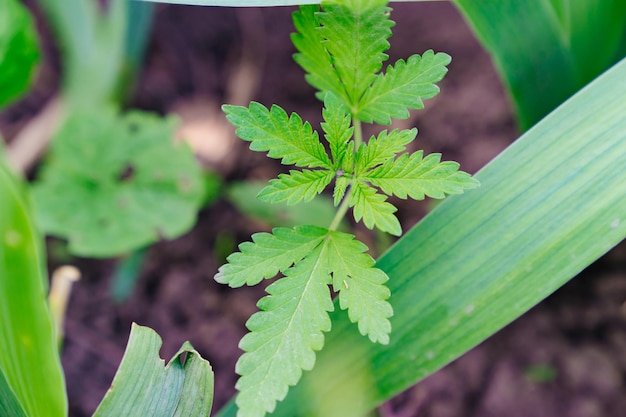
[341,47]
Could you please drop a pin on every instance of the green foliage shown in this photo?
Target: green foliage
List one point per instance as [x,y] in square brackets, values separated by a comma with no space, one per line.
[288,330]
[285,137]
[9,403]
[142,386]
[568,44]
[112,183]
[318,212]
[342,48]
[342,51]
[404,86]
[19,51]
[92,40]
[30,368]
[548,206]
[417,177]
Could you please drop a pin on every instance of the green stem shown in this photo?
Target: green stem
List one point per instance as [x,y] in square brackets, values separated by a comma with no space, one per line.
[345,204]
[341,211]
[358,134]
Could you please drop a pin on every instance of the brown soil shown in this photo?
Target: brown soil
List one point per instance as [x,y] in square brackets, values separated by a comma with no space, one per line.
[564,358]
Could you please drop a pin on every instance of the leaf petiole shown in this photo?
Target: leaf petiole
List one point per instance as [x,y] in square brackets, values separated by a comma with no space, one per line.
[341,211]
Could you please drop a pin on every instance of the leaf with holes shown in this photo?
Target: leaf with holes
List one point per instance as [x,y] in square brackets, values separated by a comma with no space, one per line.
[113,183]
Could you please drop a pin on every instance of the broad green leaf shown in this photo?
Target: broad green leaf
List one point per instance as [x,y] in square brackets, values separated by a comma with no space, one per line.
[19,51]
[284,336]
[284,137]
[356,39]
[112,183]
[317,212]
[9,403]
[418,177]
[403,87]
[143,386]
[312,56]
[361,286]
[337,130]
[566,44]
[374,209]
[548,206]
[379,149]
[297,186]
[30,358]
[269,254]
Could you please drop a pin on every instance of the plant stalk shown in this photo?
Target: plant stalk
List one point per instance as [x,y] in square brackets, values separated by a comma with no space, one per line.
[341,211]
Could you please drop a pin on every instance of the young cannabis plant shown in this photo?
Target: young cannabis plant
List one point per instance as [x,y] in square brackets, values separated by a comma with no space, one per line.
[341,47]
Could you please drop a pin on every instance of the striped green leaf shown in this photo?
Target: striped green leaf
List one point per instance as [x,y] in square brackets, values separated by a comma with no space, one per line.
[29,357]
[565,45]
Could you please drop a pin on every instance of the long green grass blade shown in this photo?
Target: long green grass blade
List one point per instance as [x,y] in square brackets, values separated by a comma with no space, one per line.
[9,404]
[143,386]
[565,44]
[29,357]
[549,205]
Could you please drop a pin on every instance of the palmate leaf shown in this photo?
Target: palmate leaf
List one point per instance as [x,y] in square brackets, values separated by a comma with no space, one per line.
[361,286]
[284,137]
[385,146]
[374,209]
[287,331]
[356,35]
[402,87]
[269,254]
[313,56]
[297,186]
[284,335]
[418,177]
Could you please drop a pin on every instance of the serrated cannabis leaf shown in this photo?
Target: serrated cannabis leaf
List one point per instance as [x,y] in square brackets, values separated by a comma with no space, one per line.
[114,183]
[341,185]
[297,186]
[374,209]
[356,39]
[418,177]
[312,56]
[318,212]
[361,286]
[337,130]
[284,137]
[284,335]
[385,146]
[269,254]
[288,330]
[403,87]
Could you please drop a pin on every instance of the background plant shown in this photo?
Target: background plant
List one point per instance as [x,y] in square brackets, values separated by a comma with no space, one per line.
[31,378]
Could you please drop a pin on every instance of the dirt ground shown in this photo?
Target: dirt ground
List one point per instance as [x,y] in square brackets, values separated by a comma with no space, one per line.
[566,357]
